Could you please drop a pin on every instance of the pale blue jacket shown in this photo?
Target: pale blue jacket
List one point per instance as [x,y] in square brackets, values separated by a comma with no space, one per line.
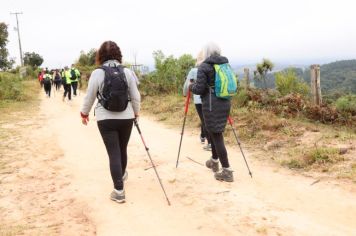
[191,75]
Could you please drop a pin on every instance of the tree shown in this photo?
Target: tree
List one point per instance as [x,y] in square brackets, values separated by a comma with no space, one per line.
[32,59]
[262,70]
[5,63]
[170,73]
[87,59]
[184,63]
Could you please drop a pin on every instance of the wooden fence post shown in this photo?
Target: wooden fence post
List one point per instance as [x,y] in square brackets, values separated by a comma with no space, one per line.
[246,79]
[315,84]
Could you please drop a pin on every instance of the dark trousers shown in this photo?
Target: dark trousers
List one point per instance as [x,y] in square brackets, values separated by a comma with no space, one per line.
[75,86]
[116,134]
[219,149]
[67,90]
[203,132]
[57,84]
[47,88]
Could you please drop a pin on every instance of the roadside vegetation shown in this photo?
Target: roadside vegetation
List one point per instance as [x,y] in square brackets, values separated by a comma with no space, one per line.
[17,96]
[15,90]
[280,125]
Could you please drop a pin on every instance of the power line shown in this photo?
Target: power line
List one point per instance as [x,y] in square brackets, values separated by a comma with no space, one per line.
[18,33]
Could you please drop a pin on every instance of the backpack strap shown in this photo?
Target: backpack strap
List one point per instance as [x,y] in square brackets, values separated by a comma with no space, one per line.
[99,96]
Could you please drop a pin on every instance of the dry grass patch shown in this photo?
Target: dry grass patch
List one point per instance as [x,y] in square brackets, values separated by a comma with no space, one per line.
[295,143]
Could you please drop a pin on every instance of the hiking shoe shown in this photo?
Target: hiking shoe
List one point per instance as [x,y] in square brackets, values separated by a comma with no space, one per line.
[213,165]
[125,176]
[202,140]
[207,147]
[224,175]
[118,196]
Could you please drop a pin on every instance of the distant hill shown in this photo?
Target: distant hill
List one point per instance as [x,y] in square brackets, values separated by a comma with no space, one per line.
[335,77]
[338,76]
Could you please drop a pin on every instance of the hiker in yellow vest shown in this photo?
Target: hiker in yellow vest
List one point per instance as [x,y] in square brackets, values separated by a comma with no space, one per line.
[74,76]
[66,83]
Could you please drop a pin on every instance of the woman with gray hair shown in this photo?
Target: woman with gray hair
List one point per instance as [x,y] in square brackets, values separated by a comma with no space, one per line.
[215,110]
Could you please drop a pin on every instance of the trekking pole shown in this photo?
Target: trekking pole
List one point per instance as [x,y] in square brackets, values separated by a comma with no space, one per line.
[185,117]
[238,142]
[153,165]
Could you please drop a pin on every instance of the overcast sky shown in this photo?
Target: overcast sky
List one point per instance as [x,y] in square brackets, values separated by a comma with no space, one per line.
[288,31]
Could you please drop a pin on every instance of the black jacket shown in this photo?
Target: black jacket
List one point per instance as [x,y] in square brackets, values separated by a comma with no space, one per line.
[215,110]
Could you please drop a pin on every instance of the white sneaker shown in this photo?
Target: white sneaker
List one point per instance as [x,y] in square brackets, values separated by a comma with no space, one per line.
[118,196]
[207,147]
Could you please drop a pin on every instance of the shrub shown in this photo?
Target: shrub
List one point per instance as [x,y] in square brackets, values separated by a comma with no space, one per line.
[241,99]
[85,72]
[346,104]
[11,87]
[288,82]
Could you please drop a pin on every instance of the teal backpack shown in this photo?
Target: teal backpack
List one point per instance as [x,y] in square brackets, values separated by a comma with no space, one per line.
[225,81]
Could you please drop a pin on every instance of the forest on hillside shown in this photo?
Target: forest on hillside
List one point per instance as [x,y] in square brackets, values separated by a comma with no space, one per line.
[336,78]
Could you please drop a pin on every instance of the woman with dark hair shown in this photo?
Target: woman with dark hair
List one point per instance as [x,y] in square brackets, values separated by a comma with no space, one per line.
[57,79]
[114,126]
[215,110]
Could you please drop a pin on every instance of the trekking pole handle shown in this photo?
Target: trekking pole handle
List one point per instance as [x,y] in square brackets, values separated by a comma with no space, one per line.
[136,124]
[230,120]
[187,103]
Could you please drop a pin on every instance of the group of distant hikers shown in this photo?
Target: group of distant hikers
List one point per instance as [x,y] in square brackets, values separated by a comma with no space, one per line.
[119,100]
[69,78]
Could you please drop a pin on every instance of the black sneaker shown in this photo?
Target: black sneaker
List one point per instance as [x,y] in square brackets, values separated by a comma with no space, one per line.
[224,175]
[214,166]
[118,196]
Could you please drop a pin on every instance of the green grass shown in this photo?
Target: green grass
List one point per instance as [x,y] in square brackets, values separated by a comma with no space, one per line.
[322,156]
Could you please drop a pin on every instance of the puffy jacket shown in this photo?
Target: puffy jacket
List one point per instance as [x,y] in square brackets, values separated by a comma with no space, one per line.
[215,110]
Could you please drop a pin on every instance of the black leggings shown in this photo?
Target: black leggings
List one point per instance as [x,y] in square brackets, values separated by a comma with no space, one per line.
[203,132]
[58,84]
[67,90]
[116,134]
[74,86]
[47,88]
[219,149]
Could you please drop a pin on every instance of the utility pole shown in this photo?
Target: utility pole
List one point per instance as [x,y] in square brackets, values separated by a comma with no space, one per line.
[18,33]
[136,67]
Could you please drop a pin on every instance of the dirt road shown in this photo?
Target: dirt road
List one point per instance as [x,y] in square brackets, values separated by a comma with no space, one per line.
[274,202]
